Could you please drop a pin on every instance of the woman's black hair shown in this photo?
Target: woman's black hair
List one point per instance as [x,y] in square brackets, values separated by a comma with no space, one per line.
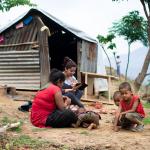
[56,75]
[69,63]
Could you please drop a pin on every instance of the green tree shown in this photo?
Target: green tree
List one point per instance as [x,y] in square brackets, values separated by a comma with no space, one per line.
[106,42]
[139,79]
[6,5]
[133,28]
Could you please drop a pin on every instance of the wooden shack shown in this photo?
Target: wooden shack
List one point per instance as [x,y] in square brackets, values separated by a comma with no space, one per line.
[36,42]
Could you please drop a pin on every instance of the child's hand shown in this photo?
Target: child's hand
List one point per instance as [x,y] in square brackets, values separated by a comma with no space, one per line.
[121,115]
[74,88]
[67,101]
[74,82]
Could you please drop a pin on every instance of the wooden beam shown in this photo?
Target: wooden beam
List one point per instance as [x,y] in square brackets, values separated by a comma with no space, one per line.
[88,100]
[19,44]
[96,75]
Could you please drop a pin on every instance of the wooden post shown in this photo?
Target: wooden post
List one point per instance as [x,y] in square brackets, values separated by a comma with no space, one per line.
[3,90]
[78,60]
[44,52]
[86,80]
[11,91]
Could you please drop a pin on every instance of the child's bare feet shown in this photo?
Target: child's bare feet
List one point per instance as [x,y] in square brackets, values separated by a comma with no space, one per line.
[92,126]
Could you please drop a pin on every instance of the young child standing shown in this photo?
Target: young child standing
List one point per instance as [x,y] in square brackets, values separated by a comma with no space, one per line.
[130,110]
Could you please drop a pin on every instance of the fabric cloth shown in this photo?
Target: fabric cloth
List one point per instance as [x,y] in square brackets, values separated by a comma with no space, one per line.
[19,25]
[43,105]
[61,119]
[1,39]
[129,106]
[70,80]
[88,117]
[27,20]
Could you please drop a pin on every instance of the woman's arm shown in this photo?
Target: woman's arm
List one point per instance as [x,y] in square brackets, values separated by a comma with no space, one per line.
[66,88]
[59,101]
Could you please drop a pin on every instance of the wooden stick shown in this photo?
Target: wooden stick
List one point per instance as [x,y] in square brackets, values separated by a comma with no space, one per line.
[96,100]
[26,43]
[9,126]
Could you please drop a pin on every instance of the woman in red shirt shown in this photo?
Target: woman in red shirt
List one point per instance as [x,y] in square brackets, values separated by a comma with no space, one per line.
[130,110]
[48,107]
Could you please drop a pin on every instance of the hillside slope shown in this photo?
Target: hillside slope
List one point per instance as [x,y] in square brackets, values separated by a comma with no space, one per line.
[137,58]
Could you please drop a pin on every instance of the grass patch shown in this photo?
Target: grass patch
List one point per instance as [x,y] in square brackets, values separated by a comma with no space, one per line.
[6,120]
[34,129]
[26,141]
[146,105]
[22,141]
[146,120]
[65,148]
[84,132]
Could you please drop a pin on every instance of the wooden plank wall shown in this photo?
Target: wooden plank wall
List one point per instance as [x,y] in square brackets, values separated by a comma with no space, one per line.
[88,62]
[19,64]
[88,57]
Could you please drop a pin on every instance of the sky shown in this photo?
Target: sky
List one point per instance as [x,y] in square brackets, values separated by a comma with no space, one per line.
[91,16]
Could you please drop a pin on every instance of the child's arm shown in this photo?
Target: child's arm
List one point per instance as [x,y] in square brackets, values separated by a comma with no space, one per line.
[117,116]
[133,109]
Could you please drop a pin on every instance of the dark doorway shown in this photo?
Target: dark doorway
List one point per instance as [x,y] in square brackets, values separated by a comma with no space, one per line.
[61,44]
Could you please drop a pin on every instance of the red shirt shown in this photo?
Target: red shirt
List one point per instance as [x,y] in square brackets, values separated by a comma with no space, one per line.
[125,106]
[43,105]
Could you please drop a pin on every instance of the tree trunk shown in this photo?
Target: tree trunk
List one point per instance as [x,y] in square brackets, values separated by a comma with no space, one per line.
[108,60]
[139,79]
[126,74]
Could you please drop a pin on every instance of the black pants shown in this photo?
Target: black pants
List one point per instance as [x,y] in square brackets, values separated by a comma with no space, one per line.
[125,123]
[74,96]
[61,119]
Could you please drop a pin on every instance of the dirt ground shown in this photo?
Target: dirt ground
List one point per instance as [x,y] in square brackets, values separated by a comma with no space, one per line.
[99,139]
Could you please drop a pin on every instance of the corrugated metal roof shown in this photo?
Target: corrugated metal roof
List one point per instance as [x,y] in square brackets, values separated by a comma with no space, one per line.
[73,30]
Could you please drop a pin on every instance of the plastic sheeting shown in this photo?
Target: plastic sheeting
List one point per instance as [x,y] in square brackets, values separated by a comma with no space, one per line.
[100,84]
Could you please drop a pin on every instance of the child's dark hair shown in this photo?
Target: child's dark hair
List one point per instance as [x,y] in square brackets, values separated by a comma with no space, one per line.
[125,85]
[69,63]
[116,94]
[56,75]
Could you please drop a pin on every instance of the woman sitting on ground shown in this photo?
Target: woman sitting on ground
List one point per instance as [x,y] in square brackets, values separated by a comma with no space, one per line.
[48,107]
[68,88]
